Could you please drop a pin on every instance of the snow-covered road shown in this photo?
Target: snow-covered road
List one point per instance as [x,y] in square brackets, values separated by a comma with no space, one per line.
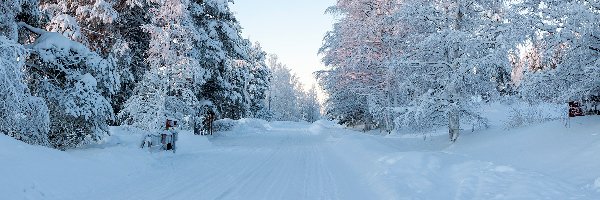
[283,160]
[285,163]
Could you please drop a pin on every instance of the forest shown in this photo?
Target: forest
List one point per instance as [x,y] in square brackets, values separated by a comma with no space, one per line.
[72,68]
[420,64]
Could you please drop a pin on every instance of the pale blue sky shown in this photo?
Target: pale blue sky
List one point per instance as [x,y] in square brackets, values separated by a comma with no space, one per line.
[291,29]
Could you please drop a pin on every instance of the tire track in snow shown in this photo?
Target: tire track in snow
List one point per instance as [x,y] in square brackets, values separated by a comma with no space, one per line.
[255,174]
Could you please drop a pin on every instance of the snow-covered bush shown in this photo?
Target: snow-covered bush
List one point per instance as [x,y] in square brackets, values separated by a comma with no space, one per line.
[22,116]
[524,114]
[247,125]
[224,124]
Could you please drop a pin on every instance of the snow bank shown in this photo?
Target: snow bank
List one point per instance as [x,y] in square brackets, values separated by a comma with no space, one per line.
[124,136]
[323,126]
[242,126]
[130,137]
[224,124]
[597,184]
[253,124]
[558,150]
[36,172]
[441,175]
[523,114]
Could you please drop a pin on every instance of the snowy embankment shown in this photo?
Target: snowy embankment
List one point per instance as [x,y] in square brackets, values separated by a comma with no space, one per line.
[544,161]
[287,160]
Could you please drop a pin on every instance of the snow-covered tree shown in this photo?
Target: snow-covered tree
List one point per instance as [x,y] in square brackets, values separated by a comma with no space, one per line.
[168,84]
[356,50]
[90,22]
[259,83]
[454,49]
[146,109]
[419,63]
[10,9]
[285,92]
[22,115]
[147,59]
[569,44]
[97,25]
[129,46]
[64,72]
[226,55]
[309,106]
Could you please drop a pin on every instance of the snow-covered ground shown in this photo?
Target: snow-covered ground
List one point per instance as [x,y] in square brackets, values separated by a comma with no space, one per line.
[288,160]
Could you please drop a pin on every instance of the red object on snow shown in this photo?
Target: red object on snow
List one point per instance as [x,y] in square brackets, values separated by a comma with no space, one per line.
[575,109]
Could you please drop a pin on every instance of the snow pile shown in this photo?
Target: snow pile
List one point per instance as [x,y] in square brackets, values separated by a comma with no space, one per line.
[37,172]
[123,136]
[242,126]
[224,124]
[322,126]
[253,124]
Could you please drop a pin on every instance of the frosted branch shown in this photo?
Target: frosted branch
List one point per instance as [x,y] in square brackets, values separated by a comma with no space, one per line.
[31,28]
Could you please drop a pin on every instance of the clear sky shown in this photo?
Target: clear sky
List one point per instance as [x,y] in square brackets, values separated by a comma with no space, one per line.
[292,29]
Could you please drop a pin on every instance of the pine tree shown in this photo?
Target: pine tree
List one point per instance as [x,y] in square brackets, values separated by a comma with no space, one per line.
[259,83]
[224,54]
[172,66]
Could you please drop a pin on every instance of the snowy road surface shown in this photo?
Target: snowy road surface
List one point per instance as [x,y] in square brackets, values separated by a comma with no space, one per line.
[283,160]
[285,163]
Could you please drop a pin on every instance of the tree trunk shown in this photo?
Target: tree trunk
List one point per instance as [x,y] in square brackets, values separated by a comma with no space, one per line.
[453,123]
[368,121]
[454,110]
